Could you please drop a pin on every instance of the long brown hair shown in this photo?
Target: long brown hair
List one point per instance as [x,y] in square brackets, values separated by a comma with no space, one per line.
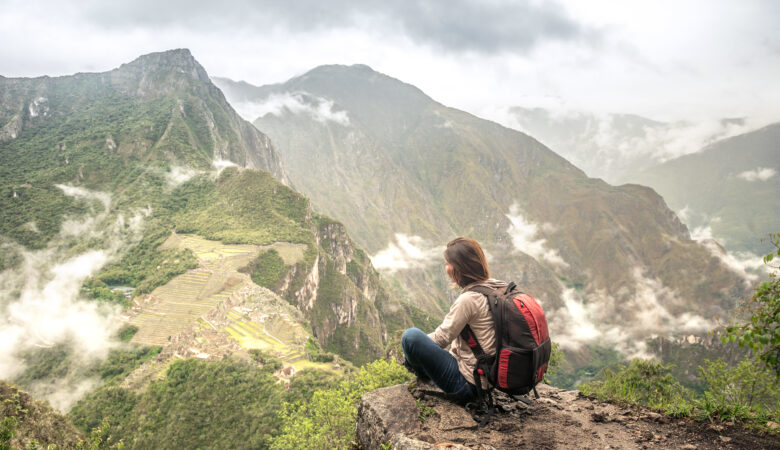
[467,260]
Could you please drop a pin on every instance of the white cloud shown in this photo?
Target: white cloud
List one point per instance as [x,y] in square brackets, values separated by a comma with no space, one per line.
[758,174]
[524,235]
[222,164]
[623,320]
[41,303]
[178,175]
[64,392]
[407,252]
[319,108]
[615,146]
[745,264]
[720,57]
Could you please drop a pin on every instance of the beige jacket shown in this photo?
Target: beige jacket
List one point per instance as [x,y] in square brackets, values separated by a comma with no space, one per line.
[470,308]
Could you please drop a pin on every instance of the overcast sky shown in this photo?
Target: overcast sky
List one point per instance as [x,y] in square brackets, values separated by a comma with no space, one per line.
[666,60]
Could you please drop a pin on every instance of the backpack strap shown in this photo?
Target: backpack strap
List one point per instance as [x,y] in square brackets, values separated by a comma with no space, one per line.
[471,340]
[484,362]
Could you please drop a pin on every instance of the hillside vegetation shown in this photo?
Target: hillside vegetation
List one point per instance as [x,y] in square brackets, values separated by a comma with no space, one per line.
[147,134]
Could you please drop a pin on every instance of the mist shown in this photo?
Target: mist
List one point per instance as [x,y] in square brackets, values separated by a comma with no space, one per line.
[623,321]
[42,304]
[615,146]
[318,108]
[526,238]
[407,252]
[747,265]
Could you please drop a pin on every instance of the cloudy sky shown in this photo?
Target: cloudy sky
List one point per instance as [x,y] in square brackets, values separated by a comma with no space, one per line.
[667,60]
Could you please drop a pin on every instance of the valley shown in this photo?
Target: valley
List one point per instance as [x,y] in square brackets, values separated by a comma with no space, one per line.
[265,263]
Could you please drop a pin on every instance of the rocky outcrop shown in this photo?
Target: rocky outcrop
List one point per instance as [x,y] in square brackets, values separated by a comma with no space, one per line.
[384,413]
[418,417]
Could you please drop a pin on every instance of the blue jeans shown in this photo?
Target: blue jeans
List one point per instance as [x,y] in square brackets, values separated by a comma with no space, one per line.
[427,358]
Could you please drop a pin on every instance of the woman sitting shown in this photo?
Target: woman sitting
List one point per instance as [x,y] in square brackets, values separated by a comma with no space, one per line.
[425,354]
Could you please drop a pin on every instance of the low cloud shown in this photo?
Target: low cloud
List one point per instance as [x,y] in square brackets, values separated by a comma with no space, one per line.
[758,174]
[616,146]
[179,175]
[407,252]
[624,320]
[222,164]
[318,108]
[745,264]
[525,238]
[41,300]
[88,225]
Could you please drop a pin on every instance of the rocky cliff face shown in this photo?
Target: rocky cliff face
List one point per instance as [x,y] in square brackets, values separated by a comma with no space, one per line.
[349,307]
[417,417]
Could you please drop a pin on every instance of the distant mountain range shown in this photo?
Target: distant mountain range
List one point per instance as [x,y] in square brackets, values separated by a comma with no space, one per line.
[406,174]
[613,146]
[729,190]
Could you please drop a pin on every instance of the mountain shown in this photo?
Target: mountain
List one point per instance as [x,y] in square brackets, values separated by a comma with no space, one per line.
[406,174]
[612,146]
[101,129]
[82,154]
[730,186]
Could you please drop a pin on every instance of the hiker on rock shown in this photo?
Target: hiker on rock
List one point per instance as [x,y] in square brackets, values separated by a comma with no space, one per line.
[453,370]
[496,336]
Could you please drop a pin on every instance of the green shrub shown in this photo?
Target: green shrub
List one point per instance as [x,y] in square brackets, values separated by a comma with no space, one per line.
[761,331]
[328,420]
[556,359]
[268,269]
[643,382]
[7,432]
[269,362]
[305,383]
[316,353]
[747,392]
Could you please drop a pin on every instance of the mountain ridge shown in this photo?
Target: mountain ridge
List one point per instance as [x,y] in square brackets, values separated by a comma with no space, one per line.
[435,172]
[711,187]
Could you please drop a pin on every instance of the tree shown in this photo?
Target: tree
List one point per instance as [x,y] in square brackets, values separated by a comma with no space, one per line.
[761,331]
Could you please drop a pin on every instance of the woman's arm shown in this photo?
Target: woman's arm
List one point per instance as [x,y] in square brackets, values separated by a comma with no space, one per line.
[461,312]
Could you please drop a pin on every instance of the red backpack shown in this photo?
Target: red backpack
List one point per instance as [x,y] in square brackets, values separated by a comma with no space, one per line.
[522,345]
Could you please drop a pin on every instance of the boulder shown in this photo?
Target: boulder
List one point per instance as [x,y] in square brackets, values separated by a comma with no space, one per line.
[384,413]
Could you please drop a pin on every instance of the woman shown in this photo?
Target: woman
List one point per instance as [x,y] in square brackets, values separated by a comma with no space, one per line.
[425,354]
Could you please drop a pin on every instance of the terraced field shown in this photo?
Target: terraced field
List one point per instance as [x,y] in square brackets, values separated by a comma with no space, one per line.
[188,298]
[215,310]
[176,305]
[252,335]
[172,308]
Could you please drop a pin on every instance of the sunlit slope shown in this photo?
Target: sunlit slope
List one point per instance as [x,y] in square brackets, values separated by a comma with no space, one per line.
[731,186]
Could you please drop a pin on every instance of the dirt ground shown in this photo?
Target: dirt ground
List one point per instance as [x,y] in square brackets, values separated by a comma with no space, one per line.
[566,419]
